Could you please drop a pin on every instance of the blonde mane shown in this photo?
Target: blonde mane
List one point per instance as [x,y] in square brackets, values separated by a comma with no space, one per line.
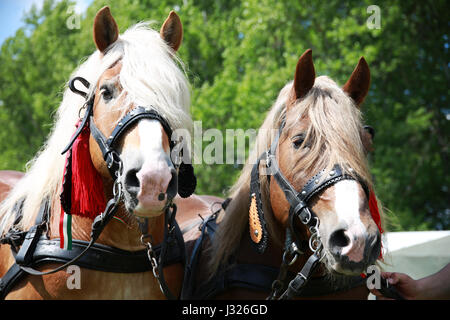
[333,136]
[151,75]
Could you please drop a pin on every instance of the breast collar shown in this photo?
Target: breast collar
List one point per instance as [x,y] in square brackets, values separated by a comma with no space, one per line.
[33,249]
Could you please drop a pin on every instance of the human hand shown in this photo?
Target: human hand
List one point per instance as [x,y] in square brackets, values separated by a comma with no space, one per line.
[406,286]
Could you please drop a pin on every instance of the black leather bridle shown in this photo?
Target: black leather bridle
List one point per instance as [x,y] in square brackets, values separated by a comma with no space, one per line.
[298,208]
[185,180]
[107,145]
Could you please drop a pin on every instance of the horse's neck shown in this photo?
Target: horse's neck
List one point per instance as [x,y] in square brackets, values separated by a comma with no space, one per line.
[116,234]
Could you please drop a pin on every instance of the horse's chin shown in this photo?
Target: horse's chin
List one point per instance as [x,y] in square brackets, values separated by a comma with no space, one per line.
[338,268]
[141,211]
[133,206]
[148,212]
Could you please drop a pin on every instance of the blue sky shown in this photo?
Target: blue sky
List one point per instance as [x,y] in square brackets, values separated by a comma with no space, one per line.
[11,13]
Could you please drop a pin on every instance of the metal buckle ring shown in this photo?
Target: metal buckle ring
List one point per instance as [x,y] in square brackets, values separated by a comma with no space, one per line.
[303,276]
[315,229]
[144,236]
[117,190]
[291,249]
[314,242]
[111,157]
[308,218]
[119,172]
[83,107]
[290,263]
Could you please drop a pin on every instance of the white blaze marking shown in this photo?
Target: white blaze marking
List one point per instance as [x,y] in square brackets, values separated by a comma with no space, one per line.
[347,204]
[150,139]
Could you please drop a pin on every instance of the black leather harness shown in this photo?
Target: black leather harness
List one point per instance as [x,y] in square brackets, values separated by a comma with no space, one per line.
[36,249]
[255,277]
[235,275]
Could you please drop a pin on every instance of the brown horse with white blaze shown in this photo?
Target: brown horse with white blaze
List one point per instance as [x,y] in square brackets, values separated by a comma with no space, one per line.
[307,196]
[134,69]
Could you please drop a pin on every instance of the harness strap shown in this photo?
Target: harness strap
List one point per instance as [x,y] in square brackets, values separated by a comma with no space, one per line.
[297,284]
[89,108]
[172,234]
[248,276]
[99,257]
[97,227]
[12,276]
[38,250]
[208,228]
[25,254]
[255,191]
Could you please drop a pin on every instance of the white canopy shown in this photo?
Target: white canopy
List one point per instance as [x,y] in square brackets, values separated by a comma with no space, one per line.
[417,253]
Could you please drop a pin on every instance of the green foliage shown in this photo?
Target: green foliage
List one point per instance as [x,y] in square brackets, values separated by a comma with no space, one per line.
[239,54]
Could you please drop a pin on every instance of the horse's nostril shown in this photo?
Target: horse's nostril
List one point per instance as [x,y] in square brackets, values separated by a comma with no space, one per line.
[339,239]
[131,180]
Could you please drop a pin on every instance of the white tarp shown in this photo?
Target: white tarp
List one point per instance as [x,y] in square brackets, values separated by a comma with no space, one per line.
[417,253]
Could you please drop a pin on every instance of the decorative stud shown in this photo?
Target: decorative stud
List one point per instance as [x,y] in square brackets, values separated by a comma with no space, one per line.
[332,173]
[316,181]
[254,223]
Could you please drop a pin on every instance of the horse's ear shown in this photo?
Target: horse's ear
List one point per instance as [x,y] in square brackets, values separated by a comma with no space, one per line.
[305,75]
[357,86]
[172,31]
[106,31]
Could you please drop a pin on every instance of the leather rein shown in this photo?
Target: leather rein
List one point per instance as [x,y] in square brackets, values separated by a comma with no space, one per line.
[299,210]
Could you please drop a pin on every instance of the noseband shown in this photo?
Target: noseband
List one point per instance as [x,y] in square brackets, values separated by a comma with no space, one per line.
[299,207]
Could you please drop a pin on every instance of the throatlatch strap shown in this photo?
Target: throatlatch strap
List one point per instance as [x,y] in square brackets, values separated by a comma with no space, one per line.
[297,284]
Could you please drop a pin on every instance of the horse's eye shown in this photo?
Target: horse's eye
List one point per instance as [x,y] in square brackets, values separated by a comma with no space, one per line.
[297,140]
[106,93]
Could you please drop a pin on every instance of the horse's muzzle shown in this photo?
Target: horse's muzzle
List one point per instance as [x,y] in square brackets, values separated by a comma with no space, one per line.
[352,254]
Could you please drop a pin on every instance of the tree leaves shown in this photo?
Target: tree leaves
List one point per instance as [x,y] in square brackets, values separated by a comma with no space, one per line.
[239,55]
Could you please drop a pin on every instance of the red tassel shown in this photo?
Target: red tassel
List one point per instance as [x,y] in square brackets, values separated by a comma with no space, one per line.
[373,206]
[88,199]
[375,213]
